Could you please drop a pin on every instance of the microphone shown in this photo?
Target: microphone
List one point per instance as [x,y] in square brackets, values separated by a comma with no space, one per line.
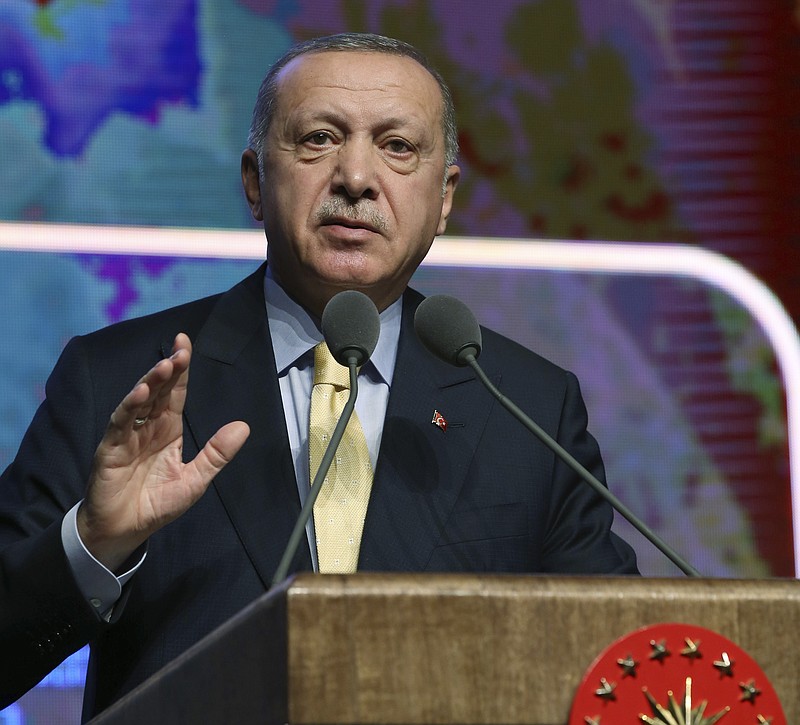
[351,327]
[449,330]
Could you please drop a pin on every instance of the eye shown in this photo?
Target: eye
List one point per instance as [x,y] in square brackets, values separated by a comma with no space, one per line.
[398,147]
[318,138]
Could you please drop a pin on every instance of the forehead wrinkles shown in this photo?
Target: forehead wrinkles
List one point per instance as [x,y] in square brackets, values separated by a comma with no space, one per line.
[351,84]
[357,70]
[343,79]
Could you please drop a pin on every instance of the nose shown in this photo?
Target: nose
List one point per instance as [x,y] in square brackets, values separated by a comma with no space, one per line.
[355,172]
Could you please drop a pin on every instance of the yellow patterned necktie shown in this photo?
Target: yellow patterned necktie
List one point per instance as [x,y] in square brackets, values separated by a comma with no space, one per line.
[342,502]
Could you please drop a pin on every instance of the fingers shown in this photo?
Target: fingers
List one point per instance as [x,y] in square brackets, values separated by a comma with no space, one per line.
[163,387]
[171,394]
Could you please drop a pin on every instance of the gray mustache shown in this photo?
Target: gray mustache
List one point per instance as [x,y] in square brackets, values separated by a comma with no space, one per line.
[359,212]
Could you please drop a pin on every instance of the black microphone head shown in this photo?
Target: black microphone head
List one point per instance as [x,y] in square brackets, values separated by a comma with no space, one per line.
[447,327]
[351,326]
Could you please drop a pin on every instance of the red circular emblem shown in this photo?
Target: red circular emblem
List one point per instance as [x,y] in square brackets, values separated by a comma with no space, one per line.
[675,673]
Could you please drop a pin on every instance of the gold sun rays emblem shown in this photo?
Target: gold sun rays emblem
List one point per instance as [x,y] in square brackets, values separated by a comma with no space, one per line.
[681,713]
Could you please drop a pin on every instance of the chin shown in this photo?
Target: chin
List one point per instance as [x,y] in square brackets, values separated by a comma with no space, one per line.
[341,285]
[350,277]
[332,286]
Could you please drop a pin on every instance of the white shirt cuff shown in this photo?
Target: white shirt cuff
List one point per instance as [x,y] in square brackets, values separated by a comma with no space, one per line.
[98,584]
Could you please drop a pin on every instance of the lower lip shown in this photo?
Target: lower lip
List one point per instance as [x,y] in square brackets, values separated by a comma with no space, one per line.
[339,231]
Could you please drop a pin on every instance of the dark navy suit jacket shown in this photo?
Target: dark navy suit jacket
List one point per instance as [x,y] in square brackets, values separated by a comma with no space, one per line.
[482,496]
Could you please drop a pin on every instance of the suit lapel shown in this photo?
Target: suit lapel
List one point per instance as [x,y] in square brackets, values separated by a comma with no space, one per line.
[421,467]
[233,377]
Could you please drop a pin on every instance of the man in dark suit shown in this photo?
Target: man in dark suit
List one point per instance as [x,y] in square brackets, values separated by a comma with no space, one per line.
[143,534]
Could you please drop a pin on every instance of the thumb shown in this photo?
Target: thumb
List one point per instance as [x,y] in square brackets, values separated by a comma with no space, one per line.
[220,450]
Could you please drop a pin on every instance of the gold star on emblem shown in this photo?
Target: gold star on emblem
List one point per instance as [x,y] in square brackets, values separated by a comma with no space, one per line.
[592,720]
[749,691]
[628,665]
[725,665]
[606,689]
[692,649]
[764,720]
[660,650]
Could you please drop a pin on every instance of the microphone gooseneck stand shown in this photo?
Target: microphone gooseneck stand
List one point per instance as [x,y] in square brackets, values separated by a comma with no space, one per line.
[582,471]
[351,327]
[449,330]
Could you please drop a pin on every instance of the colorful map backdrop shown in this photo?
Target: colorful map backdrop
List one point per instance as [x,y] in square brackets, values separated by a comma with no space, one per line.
[635,120]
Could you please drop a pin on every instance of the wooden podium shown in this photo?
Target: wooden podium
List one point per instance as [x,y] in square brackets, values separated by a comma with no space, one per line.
[375,648]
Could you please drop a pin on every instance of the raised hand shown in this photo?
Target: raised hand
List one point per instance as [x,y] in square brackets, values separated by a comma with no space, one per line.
[139,482]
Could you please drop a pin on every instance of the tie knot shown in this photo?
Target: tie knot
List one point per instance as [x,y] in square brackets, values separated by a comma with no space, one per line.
[327,370]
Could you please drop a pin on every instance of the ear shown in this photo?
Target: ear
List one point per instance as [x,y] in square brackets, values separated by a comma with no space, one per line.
[453,174]
[252,183]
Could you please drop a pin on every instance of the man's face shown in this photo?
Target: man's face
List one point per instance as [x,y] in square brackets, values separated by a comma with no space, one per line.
[354,163]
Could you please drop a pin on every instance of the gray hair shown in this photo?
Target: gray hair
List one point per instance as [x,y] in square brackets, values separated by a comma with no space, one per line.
[364,42]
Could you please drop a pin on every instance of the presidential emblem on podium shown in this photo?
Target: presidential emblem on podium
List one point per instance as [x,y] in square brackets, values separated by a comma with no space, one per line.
[675,674]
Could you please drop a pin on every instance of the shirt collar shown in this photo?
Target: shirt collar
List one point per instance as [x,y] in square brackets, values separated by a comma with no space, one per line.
[295,332]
